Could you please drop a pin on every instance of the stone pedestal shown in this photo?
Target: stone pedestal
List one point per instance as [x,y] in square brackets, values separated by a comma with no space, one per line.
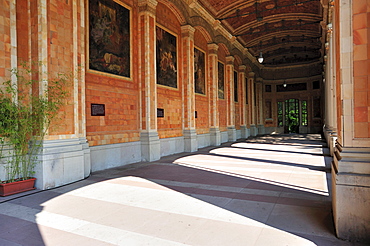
[190,140]
[231,132]
[351,193]
[87,159]
[150,146]
[261,129]
[244,132]
[215,136]
[331,139]
[62,162]
[253,131]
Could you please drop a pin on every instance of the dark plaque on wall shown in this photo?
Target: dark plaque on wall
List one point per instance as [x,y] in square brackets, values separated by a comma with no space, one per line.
[160,112]
[97,109]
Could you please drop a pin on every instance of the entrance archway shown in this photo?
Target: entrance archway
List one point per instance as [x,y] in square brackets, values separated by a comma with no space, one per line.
[291,116]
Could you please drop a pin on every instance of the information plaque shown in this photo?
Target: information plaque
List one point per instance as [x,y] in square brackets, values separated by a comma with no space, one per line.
[97,109]
[160,112]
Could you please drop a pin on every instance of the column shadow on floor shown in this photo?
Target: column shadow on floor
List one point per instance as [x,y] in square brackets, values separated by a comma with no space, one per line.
[203,184]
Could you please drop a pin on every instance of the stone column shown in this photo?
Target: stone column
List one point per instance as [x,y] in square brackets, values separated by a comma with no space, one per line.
[252,104]
[259,106]
[79,48]
[215,135]
[64,158]
[330,108]
[230,104]
[350,172]
[150,144]
[243,106]
[190,135]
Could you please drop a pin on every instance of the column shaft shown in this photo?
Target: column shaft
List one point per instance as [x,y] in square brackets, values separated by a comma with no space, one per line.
[190,136]
[242,100]
[252,104]
[259,107]
[230,105]
[213,94]
[150,145]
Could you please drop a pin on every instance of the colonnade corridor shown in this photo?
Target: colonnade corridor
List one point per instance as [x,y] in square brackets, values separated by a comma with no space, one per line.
[270,190]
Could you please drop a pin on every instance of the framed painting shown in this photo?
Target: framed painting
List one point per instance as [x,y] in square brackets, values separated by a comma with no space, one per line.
[221,80]
[166,51]
[199,72]
[109,37]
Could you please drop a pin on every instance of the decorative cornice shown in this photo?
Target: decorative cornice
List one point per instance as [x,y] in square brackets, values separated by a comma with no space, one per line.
[242,68]
[212,49]
[188,31]
[147,6]
[230,60]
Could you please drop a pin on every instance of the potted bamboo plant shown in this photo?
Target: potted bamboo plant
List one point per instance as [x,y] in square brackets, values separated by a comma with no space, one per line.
[25,116]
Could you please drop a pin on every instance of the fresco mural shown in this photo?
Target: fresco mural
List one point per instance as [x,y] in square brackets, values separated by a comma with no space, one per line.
[221,80]
[199,72]
[166,58]
[109,37]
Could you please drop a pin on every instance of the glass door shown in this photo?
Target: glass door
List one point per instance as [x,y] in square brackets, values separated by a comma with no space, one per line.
[291,116]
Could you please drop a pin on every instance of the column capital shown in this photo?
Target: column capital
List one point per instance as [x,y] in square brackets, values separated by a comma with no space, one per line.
[147,6]
[188,31]
[230,60]
[242,68]
[212,48]
[259,80]
[251,75]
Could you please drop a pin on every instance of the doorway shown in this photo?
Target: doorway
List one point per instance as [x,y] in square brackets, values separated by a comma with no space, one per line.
[291,116]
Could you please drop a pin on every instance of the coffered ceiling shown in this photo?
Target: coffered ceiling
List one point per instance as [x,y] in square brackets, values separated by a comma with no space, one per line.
[287,32]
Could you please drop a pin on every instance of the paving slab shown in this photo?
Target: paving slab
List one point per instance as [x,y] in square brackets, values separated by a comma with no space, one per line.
[269,190]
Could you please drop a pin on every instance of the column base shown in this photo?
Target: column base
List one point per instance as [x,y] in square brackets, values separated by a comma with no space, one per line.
[231,133]
[62,162]
[331,139]
[261,129]
[253,130]
[87,159]
[150,146]
[215,136]
[190,140]
[351,193]
[244,132]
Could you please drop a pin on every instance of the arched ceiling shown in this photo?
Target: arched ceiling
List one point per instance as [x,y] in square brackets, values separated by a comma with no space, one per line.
[287,32]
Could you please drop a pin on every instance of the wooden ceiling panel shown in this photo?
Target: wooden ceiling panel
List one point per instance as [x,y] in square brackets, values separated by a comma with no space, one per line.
[273,27]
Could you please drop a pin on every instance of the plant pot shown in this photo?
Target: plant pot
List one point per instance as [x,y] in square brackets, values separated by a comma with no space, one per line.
[17,187]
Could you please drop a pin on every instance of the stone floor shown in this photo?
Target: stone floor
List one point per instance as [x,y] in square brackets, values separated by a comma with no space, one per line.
[272,190]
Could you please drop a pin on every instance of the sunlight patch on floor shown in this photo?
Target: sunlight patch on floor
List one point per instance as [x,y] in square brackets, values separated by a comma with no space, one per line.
[171,217]
[298,173]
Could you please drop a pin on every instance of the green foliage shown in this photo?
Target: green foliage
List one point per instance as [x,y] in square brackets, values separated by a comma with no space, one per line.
[292,121]
[292,115]
[26,112]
